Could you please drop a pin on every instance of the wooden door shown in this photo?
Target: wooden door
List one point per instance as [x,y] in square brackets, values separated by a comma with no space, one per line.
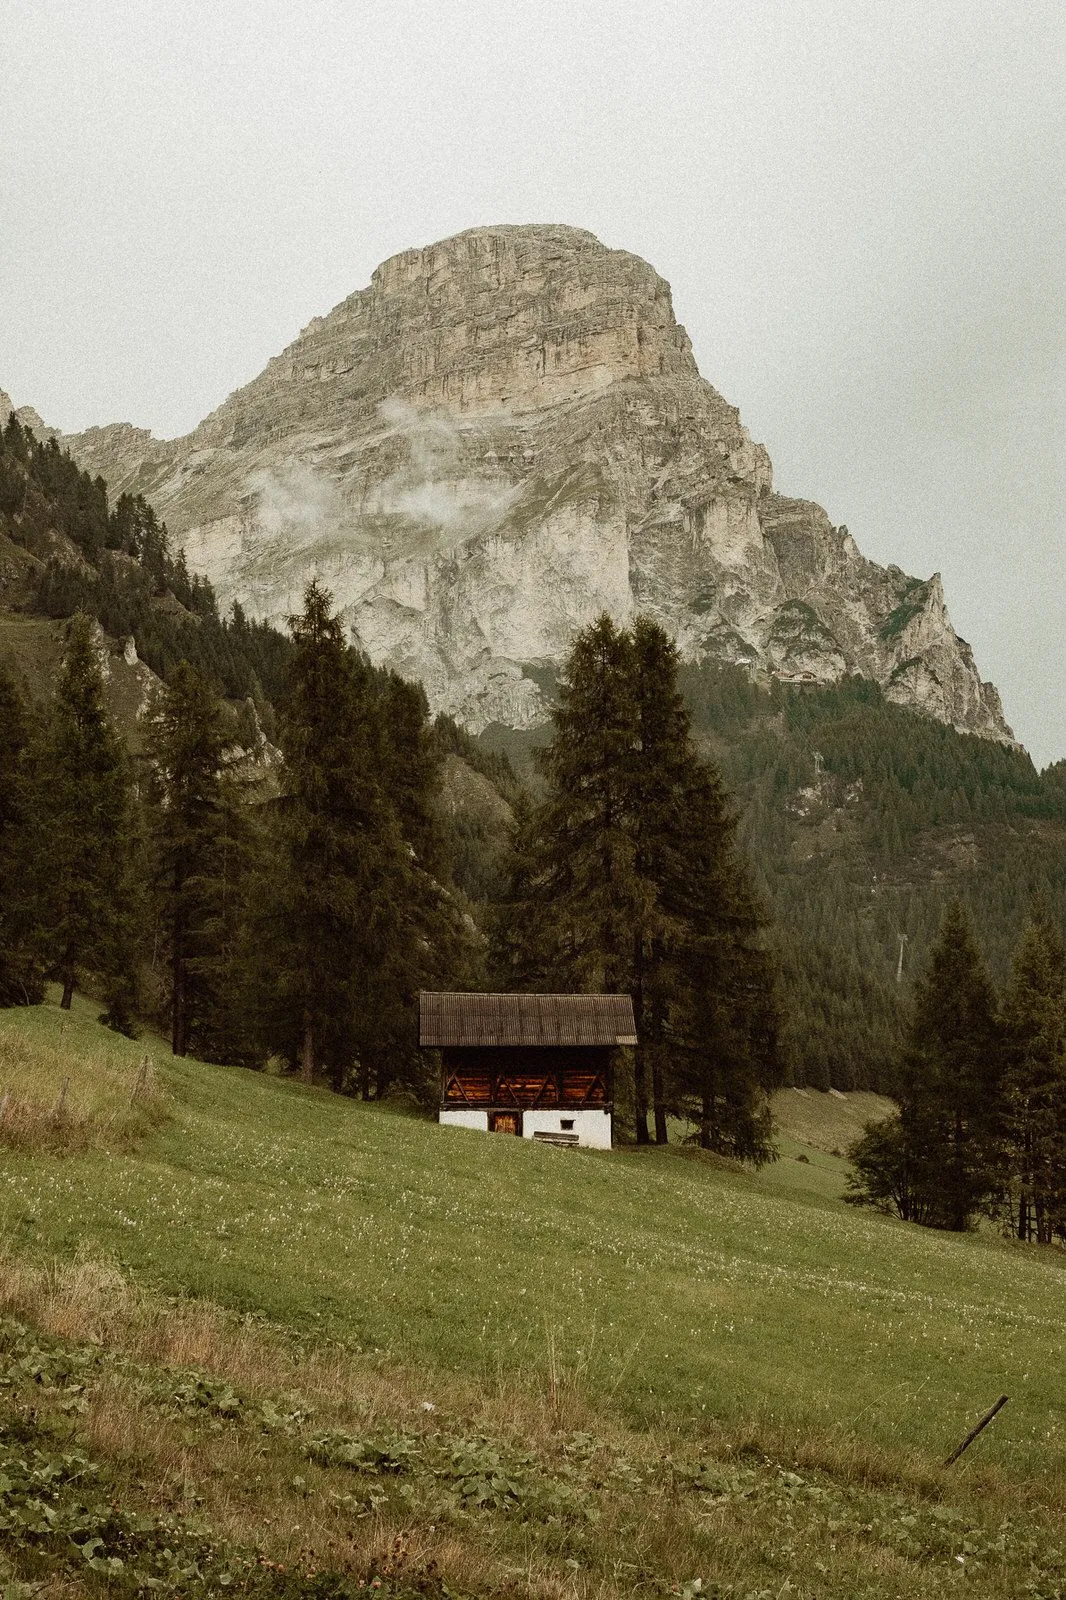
[507,1122]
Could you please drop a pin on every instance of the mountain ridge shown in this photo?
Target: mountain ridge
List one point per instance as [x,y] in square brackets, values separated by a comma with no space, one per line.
[502,436]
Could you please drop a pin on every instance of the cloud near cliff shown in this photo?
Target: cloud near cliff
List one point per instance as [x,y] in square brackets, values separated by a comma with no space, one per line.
[294,502]
[431,489]
[299,505]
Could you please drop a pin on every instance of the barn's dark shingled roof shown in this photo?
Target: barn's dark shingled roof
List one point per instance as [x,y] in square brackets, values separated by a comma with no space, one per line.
[525,1019]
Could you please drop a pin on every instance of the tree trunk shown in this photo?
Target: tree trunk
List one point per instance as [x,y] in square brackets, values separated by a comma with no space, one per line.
[654,1033]
[661,1135]
[705,1122]
[382,1075]
[307,1050]
[961,1215]
[640,1096]
[178,1024]
[68,991]
[640,1065]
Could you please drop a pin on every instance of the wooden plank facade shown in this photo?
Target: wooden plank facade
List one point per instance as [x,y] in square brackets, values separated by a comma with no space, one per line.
[539,1066]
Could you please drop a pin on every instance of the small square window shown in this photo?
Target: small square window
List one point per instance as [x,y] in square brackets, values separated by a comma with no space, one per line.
[566,1124]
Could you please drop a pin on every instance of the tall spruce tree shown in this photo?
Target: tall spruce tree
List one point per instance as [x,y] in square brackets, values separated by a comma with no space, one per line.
[588,870]
[660,772]
[425,941]
[951,1121]
[724,1022]
[334,934]
[86,833]
[627,877]
[585,910]
[20,979]
[199,839]
[1035,1036]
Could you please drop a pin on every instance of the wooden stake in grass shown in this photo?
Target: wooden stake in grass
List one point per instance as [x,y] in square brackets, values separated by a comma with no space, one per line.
[972,1435]
[60,1104]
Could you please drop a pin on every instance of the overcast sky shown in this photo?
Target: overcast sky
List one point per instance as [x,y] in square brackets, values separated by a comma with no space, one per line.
[861,209]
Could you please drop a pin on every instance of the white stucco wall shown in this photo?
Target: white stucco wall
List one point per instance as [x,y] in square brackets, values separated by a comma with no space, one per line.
[466,1119]
[593,1128]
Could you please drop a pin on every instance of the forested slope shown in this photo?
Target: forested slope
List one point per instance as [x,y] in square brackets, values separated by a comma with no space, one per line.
[862,821]
[64,548]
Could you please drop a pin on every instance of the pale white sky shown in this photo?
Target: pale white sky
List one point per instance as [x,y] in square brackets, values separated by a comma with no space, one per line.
[861,209]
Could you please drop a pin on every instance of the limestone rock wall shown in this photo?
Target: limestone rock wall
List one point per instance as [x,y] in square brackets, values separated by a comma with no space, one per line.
[501,437]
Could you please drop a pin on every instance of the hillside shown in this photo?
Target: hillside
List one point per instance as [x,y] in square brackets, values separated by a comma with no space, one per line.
[549,1372]
[502,436]
[66,546]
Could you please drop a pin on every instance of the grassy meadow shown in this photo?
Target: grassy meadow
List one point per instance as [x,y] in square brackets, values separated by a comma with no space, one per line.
[651,1345]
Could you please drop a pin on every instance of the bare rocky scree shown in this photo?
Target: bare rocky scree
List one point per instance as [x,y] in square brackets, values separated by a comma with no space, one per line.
[503,436]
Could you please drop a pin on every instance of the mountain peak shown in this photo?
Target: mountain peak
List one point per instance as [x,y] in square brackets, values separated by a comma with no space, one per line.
[502,436]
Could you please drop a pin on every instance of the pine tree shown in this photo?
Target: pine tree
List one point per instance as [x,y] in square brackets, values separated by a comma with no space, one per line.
[86,833]
[331,896]
[1035,1030]
[661,770]
[626,877]
[951,1079]
[724,1021]
[20,981]
[589,869]
[197,847]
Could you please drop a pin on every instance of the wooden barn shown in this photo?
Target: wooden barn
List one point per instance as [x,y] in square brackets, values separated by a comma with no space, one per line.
[540,1066]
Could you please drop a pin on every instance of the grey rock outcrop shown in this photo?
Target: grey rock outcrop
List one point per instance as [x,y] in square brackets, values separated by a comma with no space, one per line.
[504,435]
[27,416]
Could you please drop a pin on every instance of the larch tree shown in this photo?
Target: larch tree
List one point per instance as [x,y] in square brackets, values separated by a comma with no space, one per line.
[724,1023]
[86,835]
[951,1081]
[424,941]
[659,777]
[589,869]
[585,906]
[627,877]
[20,979]
[336,932]
[197,834]
[1034,1014]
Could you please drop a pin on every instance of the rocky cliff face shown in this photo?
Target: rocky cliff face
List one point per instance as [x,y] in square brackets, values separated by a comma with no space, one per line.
[503,436]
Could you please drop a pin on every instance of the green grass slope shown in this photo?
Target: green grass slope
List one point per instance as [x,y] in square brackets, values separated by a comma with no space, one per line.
[826,1119]
[674,1289]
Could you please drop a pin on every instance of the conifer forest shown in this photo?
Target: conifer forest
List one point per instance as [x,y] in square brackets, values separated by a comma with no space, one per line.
[797,884]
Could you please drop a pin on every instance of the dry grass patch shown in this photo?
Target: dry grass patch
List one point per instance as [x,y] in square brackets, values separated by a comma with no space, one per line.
[319,1458]
[60,1097]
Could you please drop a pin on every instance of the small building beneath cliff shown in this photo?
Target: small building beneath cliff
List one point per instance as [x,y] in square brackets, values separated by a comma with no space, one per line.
[538,1066]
